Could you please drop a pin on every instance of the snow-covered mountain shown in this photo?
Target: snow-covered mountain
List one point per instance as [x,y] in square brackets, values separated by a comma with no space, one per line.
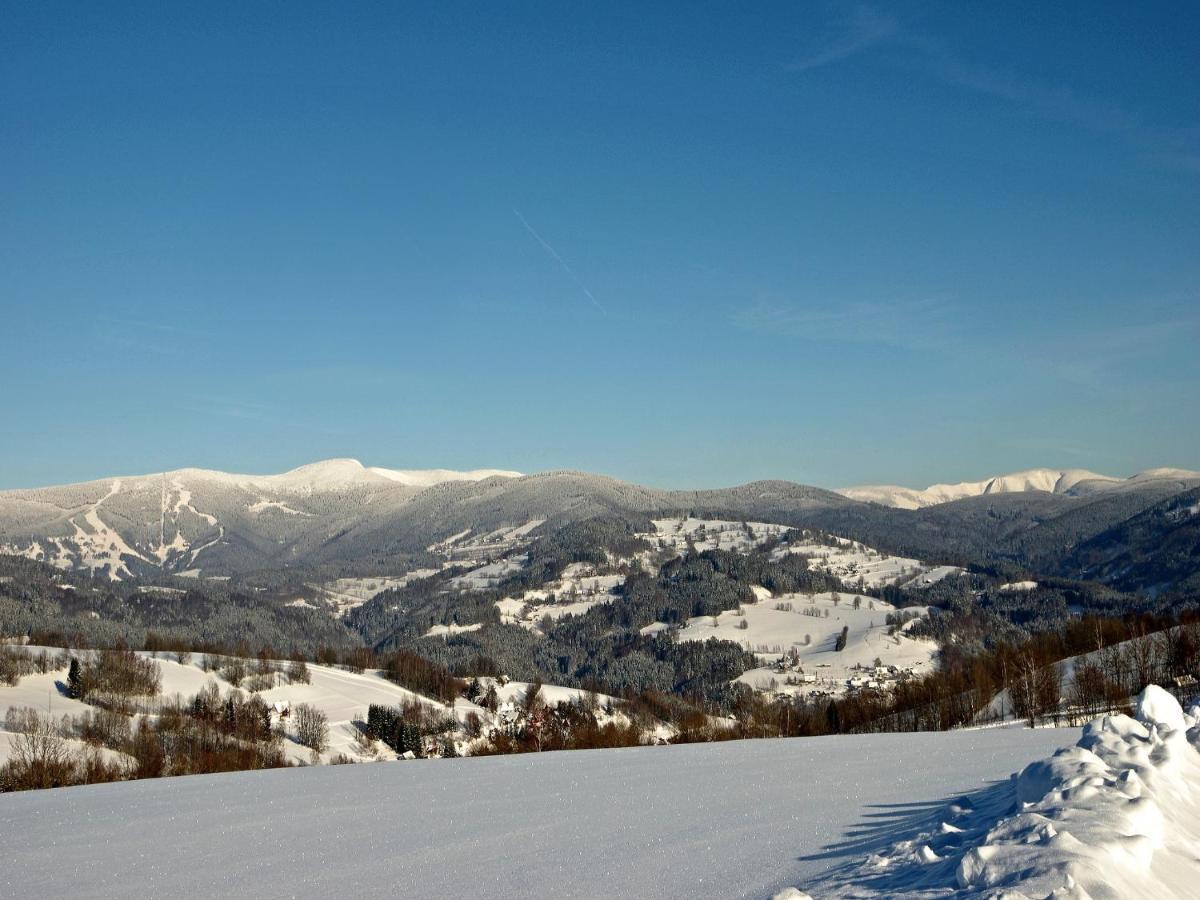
[1070,482]
[199,521]
[336,475]
[333,511]
[173,521]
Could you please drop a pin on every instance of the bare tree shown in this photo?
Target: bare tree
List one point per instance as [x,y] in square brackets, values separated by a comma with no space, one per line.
[39,758]
[312,727]
[298,672]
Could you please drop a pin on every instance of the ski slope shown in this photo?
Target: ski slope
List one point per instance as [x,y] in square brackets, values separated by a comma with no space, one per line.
[745,818]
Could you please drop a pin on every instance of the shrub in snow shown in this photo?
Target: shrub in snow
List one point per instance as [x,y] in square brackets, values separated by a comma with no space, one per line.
[312,727]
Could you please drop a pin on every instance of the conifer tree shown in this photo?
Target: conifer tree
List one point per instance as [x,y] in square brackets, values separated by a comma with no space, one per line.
[75,680]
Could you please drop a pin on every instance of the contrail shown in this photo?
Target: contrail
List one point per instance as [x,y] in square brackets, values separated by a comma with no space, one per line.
[562,262]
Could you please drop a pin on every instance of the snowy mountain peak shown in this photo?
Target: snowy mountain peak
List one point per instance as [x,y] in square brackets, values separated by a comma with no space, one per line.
[332,474]
[324,475]
[429,477]
[1165,472]
[1072,482]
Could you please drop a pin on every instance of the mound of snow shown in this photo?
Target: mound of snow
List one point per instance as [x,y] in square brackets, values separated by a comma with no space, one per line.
[1116,815]
[1155,706]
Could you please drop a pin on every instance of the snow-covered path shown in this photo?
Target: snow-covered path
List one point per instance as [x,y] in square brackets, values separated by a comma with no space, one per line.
[744,818]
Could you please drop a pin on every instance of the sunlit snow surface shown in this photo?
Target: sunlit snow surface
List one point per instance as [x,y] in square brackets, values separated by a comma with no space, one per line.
[745,818]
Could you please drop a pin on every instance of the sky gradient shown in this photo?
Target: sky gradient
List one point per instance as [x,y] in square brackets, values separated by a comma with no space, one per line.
[688,246]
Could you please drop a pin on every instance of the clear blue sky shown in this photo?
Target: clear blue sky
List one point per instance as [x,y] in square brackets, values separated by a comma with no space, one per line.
[687,246]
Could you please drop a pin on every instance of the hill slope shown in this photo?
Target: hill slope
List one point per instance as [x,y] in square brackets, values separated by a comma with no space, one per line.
[728,819]
[1154,551]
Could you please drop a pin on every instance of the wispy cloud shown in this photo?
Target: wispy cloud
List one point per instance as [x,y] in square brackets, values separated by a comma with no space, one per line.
[562,262]
[923,324]
[140,335]
[864,28]
[867,28]
[1057,103]
[1090,355]
[230,408]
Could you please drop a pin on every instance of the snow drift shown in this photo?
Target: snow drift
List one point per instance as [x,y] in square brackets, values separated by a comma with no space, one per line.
[1116,815]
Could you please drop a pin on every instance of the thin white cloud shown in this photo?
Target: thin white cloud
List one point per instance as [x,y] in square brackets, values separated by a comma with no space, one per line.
[923,324]
[1089,356]
[1057,103]
[865,28]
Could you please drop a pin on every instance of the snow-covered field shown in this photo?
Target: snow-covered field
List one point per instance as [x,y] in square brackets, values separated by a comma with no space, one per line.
[853,562]
[746,818]
[711,534]
[806,627]
[1017,587]
[40,692]
[350,593]
[489,575]
[577,591]
[468,546]
[451,629]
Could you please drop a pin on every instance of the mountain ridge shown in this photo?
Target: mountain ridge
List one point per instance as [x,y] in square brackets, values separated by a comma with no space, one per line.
[339,512]
[1072,482]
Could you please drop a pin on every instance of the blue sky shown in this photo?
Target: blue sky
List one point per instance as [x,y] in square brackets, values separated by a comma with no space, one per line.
[687,246]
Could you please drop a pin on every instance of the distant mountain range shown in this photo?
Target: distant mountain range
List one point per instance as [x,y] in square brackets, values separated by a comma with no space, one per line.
[205,523]
[1071,482]
[178,521]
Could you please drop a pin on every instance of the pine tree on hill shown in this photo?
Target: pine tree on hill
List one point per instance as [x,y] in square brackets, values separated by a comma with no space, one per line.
[74,680]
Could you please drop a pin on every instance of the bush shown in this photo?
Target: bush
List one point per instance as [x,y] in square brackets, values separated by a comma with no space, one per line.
[38,759]
[105,728]
[13,664]
[312,727]
[298,673]
[21,719]
[260,682]
[119,674]
[234,671]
